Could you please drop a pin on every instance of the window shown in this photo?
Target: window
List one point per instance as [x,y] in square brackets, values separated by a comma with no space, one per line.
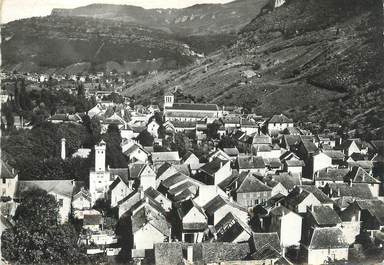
[4,180]
[60,202]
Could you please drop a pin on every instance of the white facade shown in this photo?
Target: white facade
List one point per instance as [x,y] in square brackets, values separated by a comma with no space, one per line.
[288,227]
[321,256]
[146,236]
[321,161]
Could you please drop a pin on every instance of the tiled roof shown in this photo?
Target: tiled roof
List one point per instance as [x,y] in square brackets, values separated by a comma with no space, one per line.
[334,154]
[147,216]
[230,227]
[328,238]
[251,162]
[266,245]
[332,174]
[318,193]
[325,216]
[280,119]
[252,184]
[212,167]
[359,175]
[216,203]
[165,156]
[194,106]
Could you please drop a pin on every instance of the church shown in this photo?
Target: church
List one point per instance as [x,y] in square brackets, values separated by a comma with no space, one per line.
[188,112]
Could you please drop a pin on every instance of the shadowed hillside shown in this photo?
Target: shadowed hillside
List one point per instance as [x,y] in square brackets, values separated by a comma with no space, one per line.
[316,60]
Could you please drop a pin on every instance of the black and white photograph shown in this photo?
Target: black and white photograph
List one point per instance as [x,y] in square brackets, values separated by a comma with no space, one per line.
[192,132]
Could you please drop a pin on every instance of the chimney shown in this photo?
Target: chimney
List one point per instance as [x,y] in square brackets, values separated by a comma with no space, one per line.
[190,253]
[63,155]
[141,192]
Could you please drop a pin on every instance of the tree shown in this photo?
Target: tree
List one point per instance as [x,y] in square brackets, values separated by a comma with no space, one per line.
[227,142]
[182,143]
[114,155]
[37,237]
[145,138]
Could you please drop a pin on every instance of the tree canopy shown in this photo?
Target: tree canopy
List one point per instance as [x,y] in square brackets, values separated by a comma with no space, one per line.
[37,237]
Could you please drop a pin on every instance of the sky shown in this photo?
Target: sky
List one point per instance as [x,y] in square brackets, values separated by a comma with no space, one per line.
[17,9]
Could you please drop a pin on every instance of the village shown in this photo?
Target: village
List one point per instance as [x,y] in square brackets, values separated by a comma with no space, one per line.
[243,189]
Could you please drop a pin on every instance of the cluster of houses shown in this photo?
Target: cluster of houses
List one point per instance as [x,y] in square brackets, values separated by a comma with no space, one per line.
[280,195]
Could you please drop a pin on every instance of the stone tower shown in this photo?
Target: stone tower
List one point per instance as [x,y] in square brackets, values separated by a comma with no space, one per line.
[100,156]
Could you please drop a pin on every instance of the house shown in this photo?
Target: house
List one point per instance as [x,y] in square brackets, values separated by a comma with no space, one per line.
[135,152]
[9,178]
[291,142]
[220,206]
[320,161]
[319,216]
[120,188]
[81,200]
[192,221]
[251,191]
[340,190]
[253,164]
[167,170]
[299,200]
[232,152]
[157,196]
[336,155]
[287,224]
[330,175]
[214,172]
[144,175]
[370,213]
[192,161]
[114,119]
[282,183]
[149,227]
[350,146]
[61,190]
[294,166]
[232,230]
[219,154]
[278,123]
[359,175]
[265,248]
[327,244]
[93,222]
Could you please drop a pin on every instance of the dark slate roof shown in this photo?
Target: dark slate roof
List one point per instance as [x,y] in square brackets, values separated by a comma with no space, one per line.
[250,162]
[216,203]
[318,193]
[252,184]
[375,208]
[328,238]
[212,167]
[287,180]
[266,245]
[279,211]
[184,207]
[332,174]
[174,179]
[261,139]
[272,162]
[230,227]
[280,119]
[325,216]
[194,106]
[146,215]
[309,146]
[135,170]
[6,170]
[362,190]
[292,139]
[359,175]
